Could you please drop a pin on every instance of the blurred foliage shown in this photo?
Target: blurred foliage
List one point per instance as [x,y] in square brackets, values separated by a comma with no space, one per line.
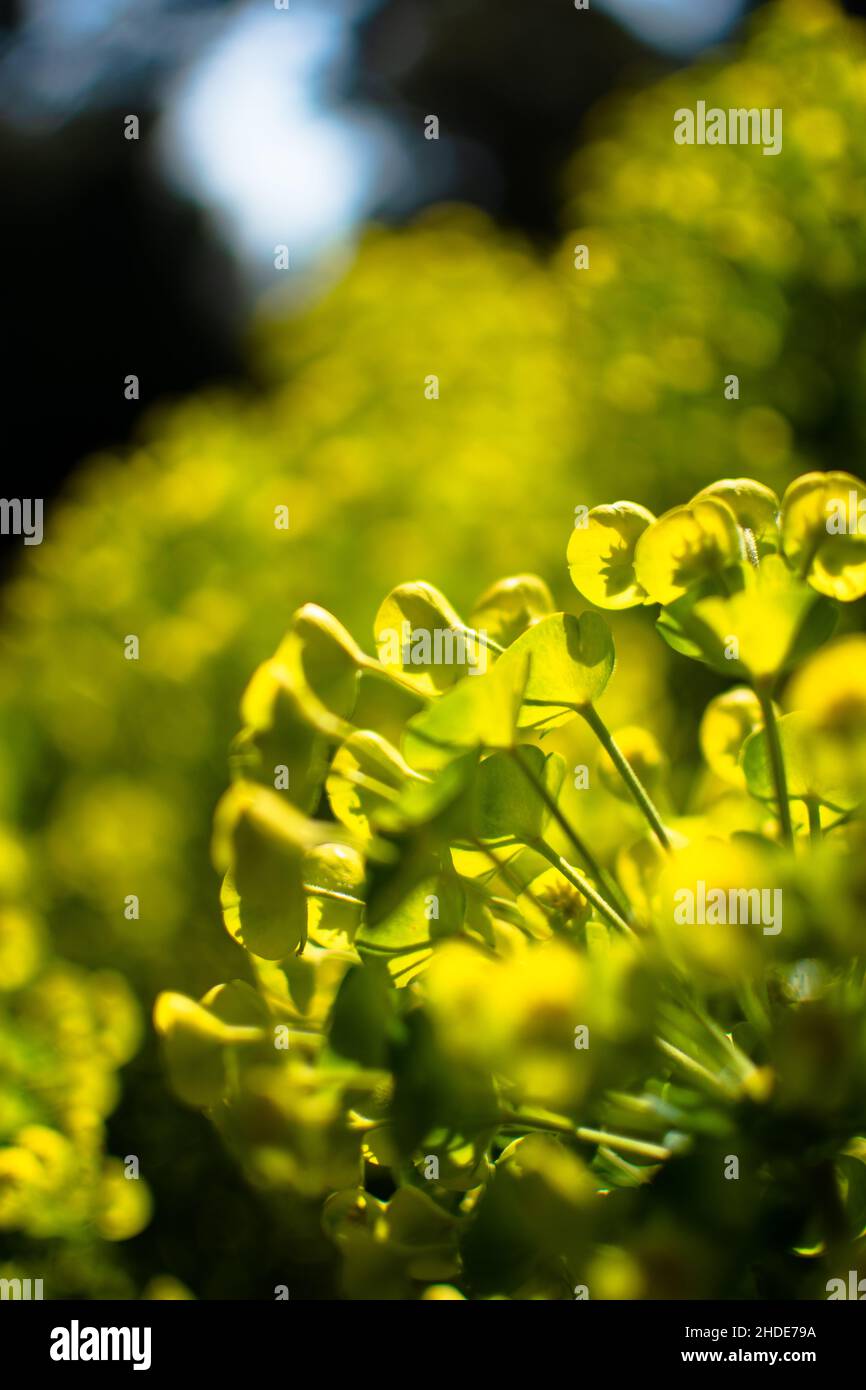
[508,1067]
[711,261]
[557,388]
[64,1034]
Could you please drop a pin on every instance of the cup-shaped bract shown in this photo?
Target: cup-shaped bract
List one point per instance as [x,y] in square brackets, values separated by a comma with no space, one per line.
[687,548]
[334,884]
[756,508]
[259,843]
[421,638]
[601,553]
[367,774]
[727,721]
[831,689]
[324,657]
[824,533]
[510,606]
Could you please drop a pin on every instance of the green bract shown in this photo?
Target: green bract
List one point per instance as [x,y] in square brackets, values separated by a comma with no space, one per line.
[420,636]
[687,548]
[511,606]
[756,509]
[800,751]
[601,554]
[824,533]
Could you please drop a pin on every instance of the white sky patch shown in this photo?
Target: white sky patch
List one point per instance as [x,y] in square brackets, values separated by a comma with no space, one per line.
[676,26]
[248,133]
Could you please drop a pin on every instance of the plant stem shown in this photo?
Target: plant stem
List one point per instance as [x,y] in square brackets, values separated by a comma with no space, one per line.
[626,772]
[777,763]
[694,1069]
[505,871]
[731,1053]
[543,1119]
[584,886]
[814,809]
[568,829]
[621,1141]
[332,895]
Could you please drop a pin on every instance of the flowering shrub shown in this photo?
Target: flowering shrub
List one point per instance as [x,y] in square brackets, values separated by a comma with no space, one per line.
[509,1068]
[695,270]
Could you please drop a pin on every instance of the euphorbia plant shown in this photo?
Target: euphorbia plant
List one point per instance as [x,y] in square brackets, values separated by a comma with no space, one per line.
[506,1066]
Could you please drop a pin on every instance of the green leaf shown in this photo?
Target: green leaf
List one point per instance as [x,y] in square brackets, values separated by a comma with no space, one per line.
[195,1040]
[757,632]
[480,712]
[507,805]
[361,1018]
[570,661]
[798,750]
[433,907]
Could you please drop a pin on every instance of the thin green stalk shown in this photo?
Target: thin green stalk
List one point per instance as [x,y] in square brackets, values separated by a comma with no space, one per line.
[640,1147]
[568,829]
[504,870]
[332,895]
[729,1050]
[777,763]
[846,817]
[694,1069]
[584,886]
[626,772]
[558,1124]
[755,1004]
[814,810]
